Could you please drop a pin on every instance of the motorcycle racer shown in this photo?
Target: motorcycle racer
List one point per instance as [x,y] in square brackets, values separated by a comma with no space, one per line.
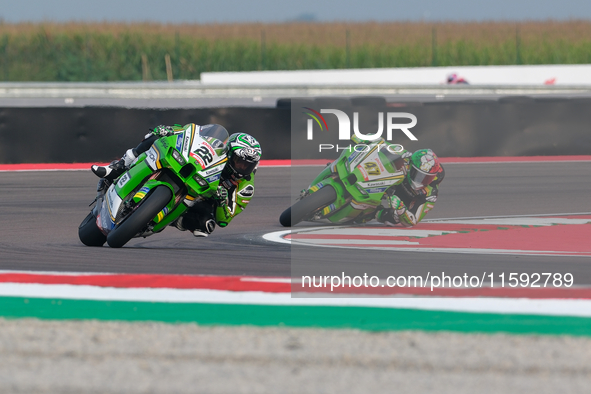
[236,186]
[408,202]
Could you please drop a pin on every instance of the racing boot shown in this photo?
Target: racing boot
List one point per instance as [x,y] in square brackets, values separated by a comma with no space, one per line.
[116,168]
[191,222]
[198,220]
[205,230]
[179,224]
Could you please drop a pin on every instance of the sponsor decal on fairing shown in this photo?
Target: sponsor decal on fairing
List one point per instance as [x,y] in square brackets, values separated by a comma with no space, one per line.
[113,202]
[179,142]
[213,178]
[376,190]
[187,142]
[152,158]
[211,171]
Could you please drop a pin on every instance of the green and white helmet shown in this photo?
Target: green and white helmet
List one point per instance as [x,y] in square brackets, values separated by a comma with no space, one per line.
[424,168]
[244,153]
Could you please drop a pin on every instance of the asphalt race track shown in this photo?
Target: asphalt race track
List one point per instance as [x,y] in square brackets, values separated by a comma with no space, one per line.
[40,213]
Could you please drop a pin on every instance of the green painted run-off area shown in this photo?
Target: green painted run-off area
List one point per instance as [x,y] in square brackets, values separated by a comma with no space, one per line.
[363,318]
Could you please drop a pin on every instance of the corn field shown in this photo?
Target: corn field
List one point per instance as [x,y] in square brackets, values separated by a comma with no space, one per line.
[135,52]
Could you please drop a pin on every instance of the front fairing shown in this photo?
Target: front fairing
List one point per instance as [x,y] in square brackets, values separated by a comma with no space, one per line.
[104,221]
[204,158]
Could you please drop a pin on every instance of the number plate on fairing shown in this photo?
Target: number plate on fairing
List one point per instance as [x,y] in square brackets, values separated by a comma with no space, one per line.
[123,180]
[375,174]
[207,157]
[204,154]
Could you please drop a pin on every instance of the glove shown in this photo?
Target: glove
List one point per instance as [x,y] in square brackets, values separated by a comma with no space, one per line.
[221,195]
[396,204]
[394,208]
[163,131]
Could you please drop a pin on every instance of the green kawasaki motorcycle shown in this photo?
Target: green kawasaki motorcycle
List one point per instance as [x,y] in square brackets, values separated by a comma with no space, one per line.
[350,187]
[174,174]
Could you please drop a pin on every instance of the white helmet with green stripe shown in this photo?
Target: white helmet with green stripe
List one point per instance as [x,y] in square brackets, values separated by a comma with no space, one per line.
[244,153]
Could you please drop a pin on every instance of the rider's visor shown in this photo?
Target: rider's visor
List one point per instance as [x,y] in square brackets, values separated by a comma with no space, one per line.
[241,166]
[420,179]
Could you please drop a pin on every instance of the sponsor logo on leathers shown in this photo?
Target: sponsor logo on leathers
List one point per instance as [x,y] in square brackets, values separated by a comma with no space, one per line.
[248,191]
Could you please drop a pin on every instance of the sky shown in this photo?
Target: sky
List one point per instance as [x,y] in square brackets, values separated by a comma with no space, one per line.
[277,11]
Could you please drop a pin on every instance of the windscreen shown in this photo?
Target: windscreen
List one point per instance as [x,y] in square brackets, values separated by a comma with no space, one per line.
[216,131]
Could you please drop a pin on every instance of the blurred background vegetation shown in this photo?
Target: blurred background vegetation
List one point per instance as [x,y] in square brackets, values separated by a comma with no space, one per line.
[135,52]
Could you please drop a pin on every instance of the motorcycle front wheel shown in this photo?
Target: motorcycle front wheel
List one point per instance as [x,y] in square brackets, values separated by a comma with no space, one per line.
[89,233]
[307,205]
[138,220]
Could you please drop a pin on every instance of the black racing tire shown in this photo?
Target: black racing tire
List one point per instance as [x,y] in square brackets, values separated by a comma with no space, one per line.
[303,208]
[89,233]
[148,209]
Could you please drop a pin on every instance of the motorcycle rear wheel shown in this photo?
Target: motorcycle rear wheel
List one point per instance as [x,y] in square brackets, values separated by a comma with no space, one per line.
[307,205]
[89,233]
[137,221]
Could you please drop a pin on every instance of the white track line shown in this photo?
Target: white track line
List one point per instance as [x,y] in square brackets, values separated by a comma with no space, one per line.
[555,307]
[543,219]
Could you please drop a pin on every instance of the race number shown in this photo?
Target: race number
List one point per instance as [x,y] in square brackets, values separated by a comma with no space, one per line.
[372,168]
[205,155]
